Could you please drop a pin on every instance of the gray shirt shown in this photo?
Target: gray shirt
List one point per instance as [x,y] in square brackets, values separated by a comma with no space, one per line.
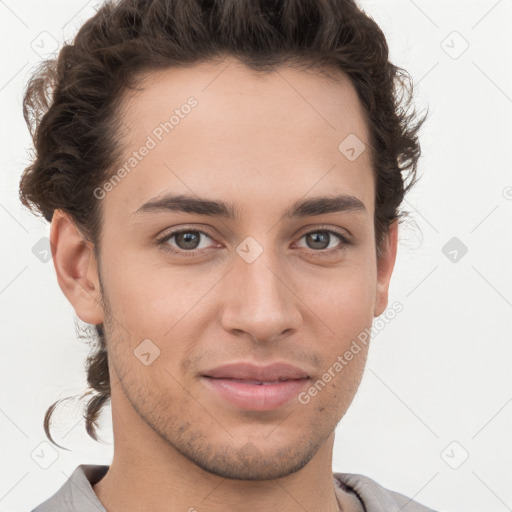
[356,493]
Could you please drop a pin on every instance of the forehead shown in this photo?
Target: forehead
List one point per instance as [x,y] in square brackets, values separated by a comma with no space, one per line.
[223,126]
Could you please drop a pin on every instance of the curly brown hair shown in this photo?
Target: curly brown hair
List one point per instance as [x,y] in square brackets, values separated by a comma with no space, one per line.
[71,103]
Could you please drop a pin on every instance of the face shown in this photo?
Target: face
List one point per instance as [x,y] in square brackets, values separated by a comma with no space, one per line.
[252,281]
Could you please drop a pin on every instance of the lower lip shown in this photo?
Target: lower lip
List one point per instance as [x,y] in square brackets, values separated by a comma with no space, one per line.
[256,397]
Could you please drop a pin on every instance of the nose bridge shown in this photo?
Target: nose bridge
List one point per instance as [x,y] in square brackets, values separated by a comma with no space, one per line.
[259,300]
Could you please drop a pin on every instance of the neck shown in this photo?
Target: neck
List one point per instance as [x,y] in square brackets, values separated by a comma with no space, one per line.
[153,473]
[164,480]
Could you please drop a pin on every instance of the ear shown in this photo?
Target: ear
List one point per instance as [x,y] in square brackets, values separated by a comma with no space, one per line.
[76,268]
[385,265]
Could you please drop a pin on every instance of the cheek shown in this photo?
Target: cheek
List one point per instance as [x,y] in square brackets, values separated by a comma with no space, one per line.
[344,300]
[156,301]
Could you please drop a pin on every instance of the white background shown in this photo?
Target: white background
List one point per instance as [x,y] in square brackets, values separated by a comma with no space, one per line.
[438,373]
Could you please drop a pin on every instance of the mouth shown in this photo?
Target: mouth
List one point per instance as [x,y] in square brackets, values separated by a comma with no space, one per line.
[259,382]
[256,388]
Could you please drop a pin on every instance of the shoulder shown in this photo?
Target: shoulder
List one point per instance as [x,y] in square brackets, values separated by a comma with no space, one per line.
[76,494]
[377,498]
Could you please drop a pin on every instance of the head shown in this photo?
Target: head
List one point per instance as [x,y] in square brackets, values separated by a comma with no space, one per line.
[259,108]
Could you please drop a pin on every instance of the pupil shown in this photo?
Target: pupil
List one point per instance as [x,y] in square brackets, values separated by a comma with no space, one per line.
[187,237]
[318,237]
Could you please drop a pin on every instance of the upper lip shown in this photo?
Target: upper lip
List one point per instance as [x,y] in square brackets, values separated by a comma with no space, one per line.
[250,371]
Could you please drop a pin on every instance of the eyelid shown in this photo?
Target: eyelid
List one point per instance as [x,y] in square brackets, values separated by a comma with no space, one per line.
[172,230]
[325,227]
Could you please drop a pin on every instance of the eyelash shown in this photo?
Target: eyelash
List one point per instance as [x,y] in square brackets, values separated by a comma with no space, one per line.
[343,246]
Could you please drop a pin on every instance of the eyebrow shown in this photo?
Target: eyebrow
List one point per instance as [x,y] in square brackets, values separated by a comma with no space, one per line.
[217,208]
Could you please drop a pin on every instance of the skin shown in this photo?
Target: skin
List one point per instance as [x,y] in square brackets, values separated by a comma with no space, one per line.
[262,142]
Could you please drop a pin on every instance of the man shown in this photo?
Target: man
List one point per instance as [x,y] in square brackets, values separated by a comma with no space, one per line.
[223,183]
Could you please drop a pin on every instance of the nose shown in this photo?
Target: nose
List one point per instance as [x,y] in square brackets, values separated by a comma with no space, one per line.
[259,301]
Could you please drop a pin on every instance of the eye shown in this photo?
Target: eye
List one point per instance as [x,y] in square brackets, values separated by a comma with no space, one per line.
[325,240]
[186,241]
[190,242]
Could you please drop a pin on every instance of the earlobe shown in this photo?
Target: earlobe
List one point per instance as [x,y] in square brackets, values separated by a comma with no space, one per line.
[76,268]
[385,265]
